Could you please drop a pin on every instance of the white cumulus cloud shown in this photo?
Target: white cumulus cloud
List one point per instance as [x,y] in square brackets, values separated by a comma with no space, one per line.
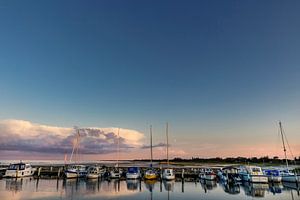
[21,135]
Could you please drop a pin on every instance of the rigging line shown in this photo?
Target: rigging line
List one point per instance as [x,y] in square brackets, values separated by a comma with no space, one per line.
[278,140]
[288,145]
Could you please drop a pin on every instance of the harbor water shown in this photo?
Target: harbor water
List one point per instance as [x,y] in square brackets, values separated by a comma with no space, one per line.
[50,189]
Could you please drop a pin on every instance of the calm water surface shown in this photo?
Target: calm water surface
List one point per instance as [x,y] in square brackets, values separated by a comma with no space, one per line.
[29,188]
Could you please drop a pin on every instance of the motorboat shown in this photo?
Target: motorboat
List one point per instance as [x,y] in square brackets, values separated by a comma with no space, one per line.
[76,171]
[273,175]
[20,169]
[94,172]
[253,174]
[168,174]
[133,173]
[207,174]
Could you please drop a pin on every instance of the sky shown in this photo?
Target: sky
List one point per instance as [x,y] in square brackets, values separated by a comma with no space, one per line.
[221,73]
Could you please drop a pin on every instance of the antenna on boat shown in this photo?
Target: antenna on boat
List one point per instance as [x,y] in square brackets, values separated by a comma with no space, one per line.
[167,134]
[283,144]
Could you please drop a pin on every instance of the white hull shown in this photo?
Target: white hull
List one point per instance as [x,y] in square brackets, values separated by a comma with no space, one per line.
[275,179]
[132,176]
[92,176]
[168,177]
[71,175]
[18,174]
[255,178]
[168,174]
[115,174]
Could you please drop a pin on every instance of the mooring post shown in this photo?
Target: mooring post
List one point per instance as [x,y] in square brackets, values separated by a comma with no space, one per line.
[182,174]
[58,173]
[51,169]
[39,171]
[17,173]
[161,173]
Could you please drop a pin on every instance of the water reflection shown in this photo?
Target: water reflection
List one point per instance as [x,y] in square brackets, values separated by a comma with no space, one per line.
[133,189]
[149,184]
[255,189]
[169,185]
[276,188]
[208,185]
[231,188]
[93,185]
[14,185]
[133,184]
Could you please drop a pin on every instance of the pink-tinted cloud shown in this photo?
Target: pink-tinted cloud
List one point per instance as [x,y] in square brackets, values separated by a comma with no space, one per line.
[24,136]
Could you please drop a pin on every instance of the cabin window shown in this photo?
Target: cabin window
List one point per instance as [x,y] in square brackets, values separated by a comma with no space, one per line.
[13,167]
[255,169]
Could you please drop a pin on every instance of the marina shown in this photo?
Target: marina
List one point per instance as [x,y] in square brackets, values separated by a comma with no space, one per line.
[30,188]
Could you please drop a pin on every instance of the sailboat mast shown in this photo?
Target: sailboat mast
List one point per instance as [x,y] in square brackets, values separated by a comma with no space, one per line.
[118,147]
[151,144]
[283,144]
[75,146]
[167,133]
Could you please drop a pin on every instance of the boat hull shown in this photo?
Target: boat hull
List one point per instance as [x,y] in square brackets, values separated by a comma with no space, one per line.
[70,174]
[275,179]
[18,174]
[254,178]
[169,177]
[291,178]
[150,176]
[92,176]
[115,175]
[132,176]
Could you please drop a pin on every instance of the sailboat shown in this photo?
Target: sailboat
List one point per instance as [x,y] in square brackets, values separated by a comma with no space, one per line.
[168,173]
[115,173]
[287,176]
[150,174]
[75,170]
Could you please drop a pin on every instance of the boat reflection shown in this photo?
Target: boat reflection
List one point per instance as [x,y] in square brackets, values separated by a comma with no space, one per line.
[208,184]
[149,184]
[169,185]
[132,184]
[255,189]
[93,185]
[15,185]
[291,185]
[231,188]
[275,188]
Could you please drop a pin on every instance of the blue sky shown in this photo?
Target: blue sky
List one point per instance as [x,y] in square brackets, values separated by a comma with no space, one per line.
[213,69]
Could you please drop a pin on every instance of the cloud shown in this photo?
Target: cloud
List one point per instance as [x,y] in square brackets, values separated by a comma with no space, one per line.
[25,136]
[154,146]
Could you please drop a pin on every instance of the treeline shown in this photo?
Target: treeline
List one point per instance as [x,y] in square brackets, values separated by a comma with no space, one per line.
[242,160]
[238,160]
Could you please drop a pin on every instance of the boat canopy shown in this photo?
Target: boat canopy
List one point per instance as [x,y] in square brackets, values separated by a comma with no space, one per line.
[133,170]
[272,172]
[18,166]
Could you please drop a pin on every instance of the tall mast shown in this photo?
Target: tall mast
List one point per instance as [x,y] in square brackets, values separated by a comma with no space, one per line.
[167,134]
[118,147]
[283,144]
[75,147]
[151,144]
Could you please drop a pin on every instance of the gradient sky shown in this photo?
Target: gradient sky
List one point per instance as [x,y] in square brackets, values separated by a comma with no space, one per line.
[222,73]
